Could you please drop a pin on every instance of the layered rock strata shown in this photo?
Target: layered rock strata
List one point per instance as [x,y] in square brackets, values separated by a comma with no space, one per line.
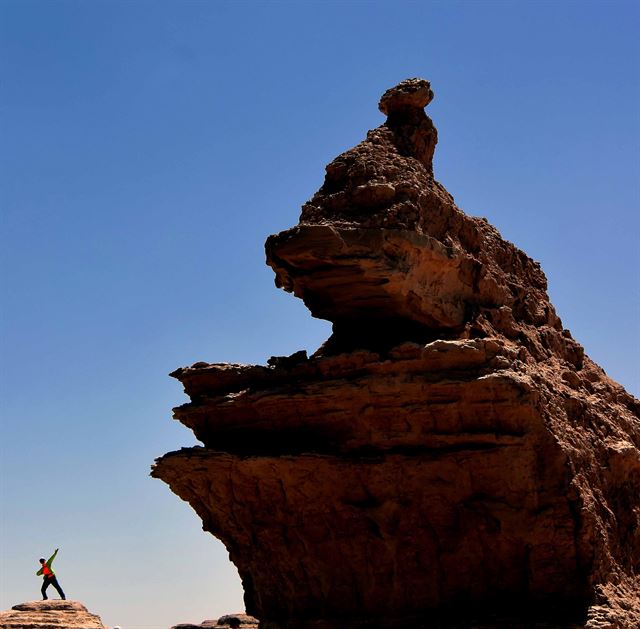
[51,614]
[449,455]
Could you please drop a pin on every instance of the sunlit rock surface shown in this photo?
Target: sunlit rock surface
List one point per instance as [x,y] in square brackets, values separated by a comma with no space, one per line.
[449,455]
[50,614]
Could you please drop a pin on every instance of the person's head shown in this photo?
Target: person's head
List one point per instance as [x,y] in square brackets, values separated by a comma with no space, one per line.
[234,623]
[41,560]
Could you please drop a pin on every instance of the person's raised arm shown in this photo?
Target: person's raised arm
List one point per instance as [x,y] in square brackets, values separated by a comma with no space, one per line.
[50,560]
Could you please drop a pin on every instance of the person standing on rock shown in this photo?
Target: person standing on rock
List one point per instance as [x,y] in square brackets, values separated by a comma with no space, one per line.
[49,577]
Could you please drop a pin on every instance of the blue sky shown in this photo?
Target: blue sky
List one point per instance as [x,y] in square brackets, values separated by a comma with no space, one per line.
[149,148]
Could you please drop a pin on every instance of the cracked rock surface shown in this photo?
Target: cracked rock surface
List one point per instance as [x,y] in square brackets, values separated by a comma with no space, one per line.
[449,457]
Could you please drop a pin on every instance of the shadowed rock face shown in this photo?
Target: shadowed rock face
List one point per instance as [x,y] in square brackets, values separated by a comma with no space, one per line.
[449,455]
[51,614]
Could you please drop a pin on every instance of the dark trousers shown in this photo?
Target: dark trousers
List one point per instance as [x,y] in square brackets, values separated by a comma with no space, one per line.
[51,581]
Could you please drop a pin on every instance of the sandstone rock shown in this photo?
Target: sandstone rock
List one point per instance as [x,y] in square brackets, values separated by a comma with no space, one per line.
[51,614]
[449,457]
[617,606]
[409,94]
[246,622]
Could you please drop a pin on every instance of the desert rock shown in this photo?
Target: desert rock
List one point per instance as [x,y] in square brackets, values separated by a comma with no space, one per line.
[449,456]
[51,614]
[408,95]
[246,622]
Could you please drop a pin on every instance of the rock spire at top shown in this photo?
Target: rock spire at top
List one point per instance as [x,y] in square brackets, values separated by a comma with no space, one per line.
[408,94]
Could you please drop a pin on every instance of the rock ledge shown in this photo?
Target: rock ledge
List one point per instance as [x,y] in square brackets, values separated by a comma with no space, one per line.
[50,614]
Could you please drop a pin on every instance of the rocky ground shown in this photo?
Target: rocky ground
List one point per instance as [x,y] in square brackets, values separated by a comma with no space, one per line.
[246,622]
[51,614]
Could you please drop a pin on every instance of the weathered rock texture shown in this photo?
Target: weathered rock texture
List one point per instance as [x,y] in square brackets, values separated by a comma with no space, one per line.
[449,455]
[51,614]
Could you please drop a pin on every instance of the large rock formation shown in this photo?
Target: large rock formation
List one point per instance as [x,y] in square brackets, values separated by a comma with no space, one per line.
[449,455]
[51,614]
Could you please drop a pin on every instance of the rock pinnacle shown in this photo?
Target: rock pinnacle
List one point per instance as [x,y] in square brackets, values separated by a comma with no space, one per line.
[409,94]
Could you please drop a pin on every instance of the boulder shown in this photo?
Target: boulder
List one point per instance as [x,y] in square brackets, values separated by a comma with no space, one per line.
[449,456]
[246,622]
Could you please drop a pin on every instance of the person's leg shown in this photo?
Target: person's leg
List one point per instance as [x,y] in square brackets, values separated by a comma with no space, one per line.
[56,585]
[43,589]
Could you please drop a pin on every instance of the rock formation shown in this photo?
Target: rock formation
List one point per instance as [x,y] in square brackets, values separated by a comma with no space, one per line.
[51,614]
[449,456]
[246,622]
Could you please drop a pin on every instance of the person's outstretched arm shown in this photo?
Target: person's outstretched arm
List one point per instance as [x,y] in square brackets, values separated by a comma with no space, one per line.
[50,560]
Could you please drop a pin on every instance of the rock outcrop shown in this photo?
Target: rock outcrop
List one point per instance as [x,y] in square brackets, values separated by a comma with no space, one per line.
[51,614]
[246,622]
[449,456]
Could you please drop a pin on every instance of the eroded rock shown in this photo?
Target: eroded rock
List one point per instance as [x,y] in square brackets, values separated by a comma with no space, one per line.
[449,455]
[50,614]
[246,622]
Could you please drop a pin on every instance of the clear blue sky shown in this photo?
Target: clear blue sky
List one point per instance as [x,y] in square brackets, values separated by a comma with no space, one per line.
[148,149]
